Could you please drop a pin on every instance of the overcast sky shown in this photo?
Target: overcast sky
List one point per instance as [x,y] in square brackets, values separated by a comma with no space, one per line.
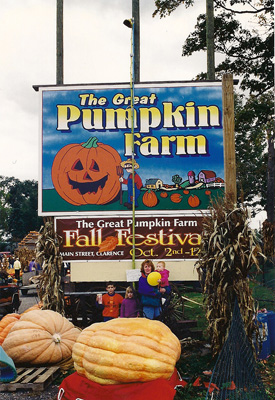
[96,49]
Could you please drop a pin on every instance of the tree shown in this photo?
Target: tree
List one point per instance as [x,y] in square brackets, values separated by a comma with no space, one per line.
[18,208]
[177,180]
[248,56]
[251,134]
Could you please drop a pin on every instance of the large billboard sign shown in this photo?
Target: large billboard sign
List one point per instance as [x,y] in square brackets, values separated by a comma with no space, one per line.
[86,148]
[102,239]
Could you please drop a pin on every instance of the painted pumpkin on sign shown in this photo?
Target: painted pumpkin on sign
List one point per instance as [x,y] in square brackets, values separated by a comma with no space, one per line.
[150,199]
[193,201]
[86,173]
[176,198]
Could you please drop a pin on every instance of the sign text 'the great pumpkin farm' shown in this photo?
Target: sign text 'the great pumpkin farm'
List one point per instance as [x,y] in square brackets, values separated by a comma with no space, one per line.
[95,115]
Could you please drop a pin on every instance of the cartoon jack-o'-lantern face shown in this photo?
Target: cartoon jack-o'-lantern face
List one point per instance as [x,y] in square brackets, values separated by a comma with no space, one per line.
[86,173]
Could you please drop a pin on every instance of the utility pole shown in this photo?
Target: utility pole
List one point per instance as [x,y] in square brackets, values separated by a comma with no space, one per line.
[59,42]
[135,16]
[210,40]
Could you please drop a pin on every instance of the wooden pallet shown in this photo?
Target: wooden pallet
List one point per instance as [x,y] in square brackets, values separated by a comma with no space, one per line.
[35,379]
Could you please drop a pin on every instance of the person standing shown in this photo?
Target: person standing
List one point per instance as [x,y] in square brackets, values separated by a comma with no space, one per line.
[17,268]
[32,266]
[109,303]
[150,295]
[130,305]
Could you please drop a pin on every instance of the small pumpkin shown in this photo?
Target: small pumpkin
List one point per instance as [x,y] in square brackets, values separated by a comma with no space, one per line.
[163,195]
[40,337]
[193,201]
[6,324]
[86,173]
[208,192]
[126,350]
[186,191]
[150,199]
[176,197]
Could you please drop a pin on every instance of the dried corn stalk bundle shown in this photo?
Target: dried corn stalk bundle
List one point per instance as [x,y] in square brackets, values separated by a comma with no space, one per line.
[47,248]
[228,251]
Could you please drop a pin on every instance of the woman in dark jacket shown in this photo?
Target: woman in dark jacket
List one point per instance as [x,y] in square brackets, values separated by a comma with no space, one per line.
[150,295]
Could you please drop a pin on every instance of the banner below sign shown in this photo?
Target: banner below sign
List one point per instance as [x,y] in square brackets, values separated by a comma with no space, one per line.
[99,239]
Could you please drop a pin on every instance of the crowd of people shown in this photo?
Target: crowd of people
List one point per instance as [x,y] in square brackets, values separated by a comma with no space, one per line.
[10,262]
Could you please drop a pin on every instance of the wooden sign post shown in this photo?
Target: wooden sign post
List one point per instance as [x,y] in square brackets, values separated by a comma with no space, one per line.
[229,136]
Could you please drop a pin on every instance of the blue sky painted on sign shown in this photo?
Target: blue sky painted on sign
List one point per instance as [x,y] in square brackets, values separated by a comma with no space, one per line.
[160,166]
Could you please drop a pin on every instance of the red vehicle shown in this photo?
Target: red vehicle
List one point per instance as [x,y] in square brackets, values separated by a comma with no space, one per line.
[9,295]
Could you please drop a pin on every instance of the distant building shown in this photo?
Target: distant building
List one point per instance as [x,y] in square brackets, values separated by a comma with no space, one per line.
[153,183]
[207,176]
[29,241]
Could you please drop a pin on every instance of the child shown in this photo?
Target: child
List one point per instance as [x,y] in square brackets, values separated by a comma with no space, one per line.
[109,303]
[164,283]
[130,305]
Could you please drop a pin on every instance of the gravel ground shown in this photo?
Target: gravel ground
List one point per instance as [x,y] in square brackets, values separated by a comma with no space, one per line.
[50,393]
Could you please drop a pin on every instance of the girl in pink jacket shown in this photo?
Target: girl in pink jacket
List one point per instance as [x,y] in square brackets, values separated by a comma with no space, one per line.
[164,282]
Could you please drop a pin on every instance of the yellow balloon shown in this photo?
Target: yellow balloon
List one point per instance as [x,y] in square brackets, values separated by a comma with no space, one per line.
[153,277]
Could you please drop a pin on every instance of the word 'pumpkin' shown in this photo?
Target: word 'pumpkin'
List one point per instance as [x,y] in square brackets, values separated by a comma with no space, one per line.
[86,173]
[126,350]
[40,337]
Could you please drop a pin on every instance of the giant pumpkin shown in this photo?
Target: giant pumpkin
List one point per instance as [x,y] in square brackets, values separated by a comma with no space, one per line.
[40,337]
[6,324]
[86,173]
[126,350]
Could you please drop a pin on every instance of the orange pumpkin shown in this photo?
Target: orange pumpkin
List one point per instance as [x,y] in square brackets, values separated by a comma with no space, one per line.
[40,337]
[176,198]
[208,192]
[125,350]
[163,195]
[6,324]
[150,199]
[193,201]
[86,173]
[186,191]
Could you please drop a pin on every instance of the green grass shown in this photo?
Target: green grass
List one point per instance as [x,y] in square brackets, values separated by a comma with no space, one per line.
[53,202]
[263,295]
[195,311]
[193,361]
